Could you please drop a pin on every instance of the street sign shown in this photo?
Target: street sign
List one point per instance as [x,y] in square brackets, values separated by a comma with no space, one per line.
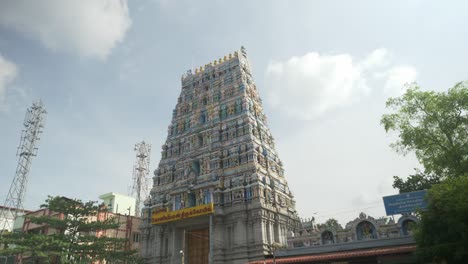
[405,202]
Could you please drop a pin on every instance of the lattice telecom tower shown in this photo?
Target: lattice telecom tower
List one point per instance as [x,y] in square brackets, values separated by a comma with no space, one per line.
[33,125]
[140,173]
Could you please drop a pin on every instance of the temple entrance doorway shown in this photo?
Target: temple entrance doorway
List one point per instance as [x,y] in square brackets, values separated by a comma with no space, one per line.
[198,242]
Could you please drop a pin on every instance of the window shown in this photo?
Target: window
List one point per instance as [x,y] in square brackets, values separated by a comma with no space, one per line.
[187,123]
[226,163]
[200,140]
[238,106]
[238,195]
[203,118]
[206,196]
[196,166]
[223,111]
[216,96]
[191,199]
[240,131]
[248,193]
[177,204]
[136,237]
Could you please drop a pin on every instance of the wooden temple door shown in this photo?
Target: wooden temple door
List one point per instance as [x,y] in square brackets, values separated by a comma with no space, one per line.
[198,246]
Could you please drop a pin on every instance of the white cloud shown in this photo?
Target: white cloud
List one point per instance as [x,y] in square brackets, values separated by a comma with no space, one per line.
[89,27]
[308,86]
[377,58]
[8,72]
[397,78]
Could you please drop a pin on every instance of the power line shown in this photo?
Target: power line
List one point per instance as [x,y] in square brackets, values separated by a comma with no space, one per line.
[345,212]
[335,212]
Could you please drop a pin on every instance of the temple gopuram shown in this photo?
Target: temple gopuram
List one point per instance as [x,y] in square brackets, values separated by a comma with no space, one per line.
[219,193]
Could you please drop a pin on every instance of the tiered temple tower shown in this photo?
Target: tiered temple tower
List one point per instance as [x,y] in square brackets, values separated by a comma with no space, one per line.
[219,194]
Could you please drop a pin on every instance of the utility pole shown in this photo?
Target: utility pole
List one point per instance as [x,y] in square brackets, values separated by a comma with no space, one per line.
[33,124]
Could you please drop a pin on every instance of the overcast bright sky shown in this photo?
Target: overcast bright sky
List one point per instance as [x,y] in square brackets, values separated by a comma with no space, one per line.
[109,75]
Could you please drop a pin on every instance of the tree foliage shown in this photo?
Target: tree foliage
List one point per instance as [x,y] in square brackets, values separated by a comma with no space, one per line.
[72,236]
[415,182]
[435,127]
[332,224]
[442,234]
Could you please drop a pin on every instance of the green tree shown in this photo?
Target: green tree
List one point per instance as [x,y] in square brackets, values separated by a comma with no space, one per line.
[415,182]
[442,234]
[72,237]
[435,127]
[331,223]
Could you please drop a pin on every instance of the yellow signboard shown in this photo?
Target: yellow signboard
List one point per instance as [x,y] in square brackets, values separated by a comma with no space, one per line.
[164,217]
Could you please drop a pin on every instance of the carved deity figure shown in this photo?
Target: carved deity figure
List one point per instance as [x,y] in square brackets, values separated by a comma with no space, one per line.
[234,160]
[231,109]
[200,196]
[245,104]
[204,166]
[211,113]
[182,202]
[365,230]
[194,120]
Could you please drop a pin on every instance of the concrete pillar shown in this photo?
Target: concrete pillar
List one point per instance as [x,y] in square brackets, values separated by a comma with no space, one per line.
[210,258]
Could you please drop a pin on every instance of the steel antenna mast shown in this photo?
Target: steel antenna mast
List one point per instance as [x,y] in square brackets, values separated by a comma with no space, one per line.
[140,174]
[34,121]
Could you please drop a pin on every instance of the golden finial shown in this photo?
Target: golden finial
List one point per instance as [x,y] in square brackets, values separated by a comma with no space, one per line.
[219,60]
[201,68]
[230,56]
[225,58]
[215,62]
[196,71]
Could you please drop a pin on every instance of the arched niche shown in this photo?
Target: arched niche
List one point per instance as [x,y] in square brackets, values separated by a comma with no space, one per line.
[365,230]
[327,237]
[406,227]
[405,224]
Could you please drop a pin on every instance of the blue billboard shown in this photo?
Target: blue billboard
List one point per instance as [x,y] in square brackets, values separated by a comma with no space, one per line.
[405,202]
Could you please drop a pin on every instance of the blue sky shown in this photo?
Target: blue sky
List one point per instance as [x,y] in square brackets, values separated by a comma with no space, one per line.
[109,75]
